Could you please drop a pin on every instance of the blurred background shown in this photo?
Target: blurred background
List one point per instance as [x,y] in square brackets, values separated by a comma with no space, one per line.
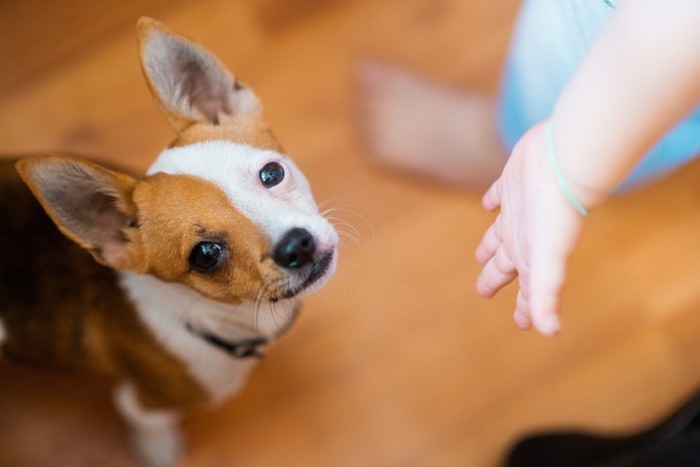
[397,362]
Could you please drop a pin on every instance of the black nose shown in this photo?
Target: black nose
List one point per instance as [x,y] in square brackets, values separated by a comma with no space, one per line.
[295,250]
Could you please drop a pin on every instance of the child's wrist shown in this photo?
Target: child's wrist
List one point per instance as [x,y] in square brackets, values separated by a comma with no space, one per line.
[580,196]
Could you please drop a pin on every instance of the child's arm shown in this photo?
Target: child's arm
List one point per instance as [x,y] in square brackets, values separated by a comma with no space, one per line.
[641,76]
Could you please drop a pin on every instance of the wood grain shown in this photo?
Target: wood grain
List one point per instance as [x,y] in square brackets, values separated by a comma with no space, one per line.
[397,362]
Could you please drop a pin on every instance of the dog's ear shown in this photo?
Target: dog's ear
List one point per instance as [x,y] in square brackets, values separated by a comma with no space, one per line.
[90,204]
[189,83]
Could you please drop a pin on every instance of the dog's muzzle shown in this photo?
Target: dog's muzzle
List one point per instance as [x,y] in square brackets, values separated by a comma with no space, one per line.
[297,252]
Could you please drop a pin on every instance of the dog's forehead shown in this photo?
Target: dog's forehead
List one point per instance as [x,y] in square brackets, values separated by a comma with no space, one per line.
[216,160]
[234,168]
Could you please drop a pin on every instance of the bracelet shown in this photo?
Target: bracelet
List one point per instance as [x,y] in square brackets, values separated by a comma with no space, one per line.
[558,175]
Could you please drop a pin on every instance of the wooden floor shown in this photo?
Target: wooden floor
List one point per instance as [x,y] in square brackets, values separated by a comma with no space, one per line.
[397,362]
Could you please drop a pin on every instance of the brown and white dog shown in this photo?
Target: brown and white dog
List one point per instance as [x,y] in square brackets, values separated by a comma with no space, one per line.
[171,283]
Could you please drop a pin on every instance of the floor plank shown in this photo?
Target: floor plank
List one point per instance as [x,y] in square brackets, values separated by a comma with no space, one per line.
[397,362]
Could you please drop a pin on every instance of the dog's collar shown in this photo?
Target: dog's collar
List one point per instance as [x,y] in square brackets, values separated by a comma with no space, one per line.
[246,348]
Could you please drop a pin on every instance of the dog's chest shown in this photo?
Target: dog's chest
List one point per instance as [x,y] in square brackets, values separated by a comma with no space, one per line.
[219,343]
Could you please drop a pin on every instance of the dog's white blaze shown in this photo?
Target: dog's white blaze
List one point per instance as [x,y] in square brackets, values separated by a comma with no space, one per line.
[166,308]
[235,168]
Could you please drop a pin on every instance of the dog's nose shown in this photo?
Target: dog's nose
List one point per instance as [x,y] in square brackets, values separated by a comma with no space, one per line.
[295,250]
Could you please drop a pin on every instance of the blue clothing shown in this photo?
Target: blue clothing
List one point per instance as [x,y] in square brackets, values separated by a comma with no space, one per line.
[550,39]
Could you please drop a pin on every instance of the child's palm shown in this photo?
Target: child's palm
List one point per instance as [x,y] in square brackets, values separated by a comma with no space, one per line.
[532,237]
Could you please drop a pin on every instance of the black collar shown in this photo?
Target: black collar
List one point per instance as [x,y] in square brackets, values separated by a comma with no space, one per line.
[245,348]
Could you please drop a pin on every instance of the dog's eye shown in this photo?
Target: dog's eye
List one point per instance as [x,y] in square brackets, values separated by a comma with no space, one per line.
[272,174]
[205,256]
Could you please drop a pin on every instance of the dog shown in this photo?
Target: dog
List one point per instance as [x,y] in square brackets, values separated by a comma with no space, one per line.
[172,283]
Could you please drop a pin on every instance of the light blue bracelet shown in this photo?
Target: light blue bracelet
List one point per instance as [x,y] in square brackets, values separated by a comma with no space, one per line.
[558,175]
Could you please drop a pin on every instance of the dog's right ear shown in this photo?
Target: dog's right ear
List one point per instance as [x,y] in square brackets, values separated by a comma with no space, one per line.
[190,84]
[90,204]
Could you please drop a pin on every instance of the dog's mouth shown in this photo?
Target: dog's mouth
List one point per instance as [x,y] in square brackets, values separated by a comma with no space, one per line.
[318,270]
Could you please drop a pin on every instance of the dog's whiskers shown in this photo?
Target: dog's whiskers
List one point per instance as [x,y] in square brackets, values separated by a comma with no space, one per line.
[343,226]
[351,233]
[260,298]
[185,311]
[273,312]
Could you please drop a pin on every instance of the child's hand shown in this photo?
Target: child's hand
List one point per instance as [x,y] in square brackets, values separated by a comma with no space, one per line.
[532,237]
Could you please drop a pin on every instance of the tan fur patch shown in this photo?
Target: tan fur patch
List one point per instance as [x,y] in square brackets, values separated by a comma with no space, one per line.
[176,212]
[240,129]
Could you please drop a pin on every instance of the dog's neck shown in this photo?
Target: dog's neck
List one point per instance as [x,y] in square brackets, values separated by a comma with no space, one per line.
[162,303]
[172,311]
[246,348]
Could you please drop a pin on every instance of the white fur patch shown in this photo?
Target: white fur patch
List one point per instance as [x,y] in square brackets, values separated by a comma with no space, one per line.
[235,168]
[155,433]
[166,308]
[127,403]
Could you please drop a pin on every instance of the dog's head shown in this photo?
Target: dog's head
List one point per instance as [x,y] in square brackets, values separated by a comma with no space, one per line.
[222,210]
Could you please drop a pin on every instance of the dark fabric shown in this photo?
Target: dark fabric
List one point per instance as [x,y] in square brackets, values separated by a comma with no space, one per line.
[674,442]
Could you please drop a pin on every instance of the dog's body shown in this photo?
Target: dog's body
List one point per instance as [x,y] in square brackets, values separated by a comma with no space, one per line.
[201,263]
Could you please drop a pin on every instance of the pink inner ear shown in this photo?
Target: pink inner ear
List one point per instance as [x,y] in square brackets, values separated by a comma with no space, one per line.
[87,202]
[206,92]
[96,222]
[107,221]
[190,82]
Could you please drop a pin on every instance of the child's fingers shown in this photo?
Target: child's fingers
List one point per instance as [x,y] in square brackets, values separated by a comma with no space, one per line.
[522,312]
[498,271]
[547,276]
[492,198]
[488,246]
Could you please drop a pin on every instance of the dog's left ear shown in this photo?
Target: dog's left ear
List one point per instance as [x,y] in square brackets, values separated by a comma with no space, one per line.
[190,84]
[90,204]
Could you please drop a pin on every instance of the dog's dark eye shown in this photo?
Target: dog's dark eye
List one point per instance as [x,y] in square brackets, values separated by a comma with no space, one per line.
[205,256]
[272,174]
